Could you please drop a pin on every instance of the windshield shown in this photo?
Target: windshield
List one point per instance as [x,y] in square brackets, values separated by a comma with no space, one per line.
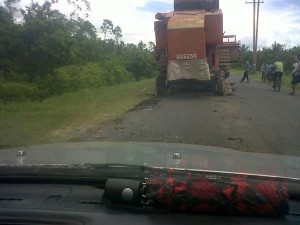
[195,84]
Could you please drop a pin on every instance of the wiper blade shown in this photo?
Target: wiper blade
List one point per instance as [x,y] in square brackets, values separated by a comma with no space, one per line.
[83,173]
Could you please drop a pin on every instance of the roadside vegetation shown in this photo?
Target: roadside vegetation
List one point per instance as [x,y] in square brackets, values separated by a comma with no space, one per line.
[286,54]
[68,116]
[48,54]
[59,78]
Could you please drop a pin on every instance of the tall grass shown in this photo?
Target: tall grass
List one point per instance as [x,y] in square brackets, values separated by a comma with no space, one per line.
[61,118]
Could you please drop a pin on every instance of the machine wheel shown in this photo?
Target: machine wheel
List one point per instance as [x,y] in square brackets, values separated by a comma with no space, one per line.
[169,91]
[227,74]
[220,87]
[160,85]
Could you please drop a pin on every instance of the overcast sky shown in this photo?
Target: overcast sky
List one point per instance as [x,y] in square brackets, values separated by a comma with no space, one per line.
[279,19]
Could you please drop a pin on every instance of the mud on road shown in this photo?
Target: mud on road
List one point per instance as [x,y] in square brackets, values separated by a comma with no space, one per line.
[241,120]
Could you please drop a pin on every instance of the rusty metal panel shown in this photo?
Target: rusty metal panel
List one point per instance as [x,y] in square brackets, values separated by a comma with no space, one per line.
[210,55]
[186,21]
[208,5]
[214,27]
[229,50]
[186,36]
[186,44]
[160,28]
[228,54]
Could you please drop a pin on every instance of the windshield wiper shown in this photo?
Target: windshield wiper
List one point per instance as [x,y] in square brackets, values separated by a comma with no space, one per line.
[72,174]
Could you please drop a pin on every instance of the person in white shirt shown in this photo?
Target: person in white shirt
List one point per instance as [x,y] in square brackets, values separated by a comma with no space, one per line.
[294,68]
[296,77]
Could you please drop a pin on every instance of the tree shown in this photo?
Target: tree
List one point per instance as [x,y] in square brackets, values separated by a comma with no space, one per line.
[37,11]
[117,32]
[151,46]
[277,48]
[10,6]
[244,49]
[140,61]
[107,27]
[11,44]
[48,40]
[83,29]
[142,46]
[78,6]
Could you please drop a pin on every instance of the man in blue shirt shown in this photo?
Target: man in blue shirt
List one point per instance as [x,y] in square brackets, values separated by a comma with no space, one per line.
[246,72]
[269,71]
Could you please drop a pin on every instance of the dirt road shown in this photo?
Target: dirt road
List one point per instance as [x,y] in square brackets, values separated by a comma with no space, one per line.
[253,119]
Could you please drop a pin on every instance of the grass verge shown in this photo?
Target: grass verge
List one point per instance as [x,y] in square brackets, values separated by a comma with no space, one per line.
[58,119]
[286,79]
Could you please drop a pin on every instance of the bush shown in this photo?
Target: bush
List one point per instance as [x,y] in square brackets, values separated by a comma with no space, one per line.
[11,91]
[73,78]
[115,72]
[69,79]
[142,65]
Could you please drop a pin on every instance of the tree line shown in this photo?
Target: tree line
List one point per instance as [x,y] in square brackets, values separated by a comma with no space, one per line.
[48,54]
[269,55]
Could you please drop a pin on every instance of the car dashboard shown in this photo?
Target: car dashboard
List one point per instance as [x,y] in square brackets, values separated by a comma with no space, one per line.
[81,204]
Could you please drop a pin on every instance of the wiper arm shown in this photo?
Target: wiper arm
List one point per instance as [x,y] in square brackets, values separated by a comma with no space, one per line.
[84,173]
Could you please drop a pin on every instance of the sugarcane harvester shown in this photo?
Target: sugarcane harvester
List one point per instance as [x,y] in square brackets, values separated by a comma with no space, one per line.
[191,48]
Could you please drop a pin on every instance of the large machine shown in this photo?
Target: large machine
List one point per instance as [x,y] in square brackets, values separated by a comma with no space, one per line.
[191,48]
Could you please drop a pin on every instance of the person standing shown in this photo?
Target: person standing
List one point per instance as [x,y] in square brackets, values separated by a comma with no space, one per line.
[264,72]
[294,67]
[278,72]
[253,68]
[296,77]
[269,71]
[246,72]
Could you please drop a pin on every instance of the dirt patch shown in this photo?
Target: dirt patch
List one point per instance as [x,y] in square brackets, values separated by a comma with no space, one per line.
[147,105]
[228,89]
[236,139]
[63,132]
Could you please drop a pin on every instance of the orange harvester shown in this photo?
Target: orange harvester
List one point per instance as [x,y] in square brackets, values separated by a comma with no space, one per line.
[191,48]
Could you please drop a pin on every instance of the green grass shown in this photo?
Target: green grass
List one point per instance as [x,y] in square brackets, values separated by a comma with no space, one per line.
[59,119]
[286,79]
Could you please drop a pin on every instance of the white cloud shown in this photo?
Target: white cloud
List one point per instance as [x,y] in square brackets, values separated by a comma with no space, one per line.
[278,22]
[275,23]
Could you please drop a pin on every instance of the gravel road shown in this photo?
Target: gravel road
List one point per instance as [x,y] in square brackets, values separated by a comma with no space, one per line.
[253,119]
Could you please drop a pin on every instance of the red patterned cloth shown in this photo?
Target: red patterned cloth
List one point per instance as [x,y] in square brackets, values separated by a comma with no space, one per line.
[215,194]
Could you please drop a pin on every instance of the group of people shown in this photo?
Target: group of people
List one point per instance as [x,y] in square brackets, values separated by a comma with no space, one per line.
[274,72]
[266,71]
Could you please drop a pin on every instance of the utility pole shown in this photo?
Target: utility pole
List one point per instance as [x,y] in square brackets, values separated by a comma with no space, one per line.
[255,27]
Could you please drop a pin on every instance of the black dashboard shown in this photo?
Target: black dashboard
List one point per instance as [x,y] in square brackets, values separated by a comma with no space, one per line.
[63,204]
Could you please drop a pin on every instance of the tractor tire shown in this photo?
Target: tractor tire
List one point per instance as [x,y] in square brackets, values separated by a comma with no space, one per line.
[220,88]
[169,91]
[160,85]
